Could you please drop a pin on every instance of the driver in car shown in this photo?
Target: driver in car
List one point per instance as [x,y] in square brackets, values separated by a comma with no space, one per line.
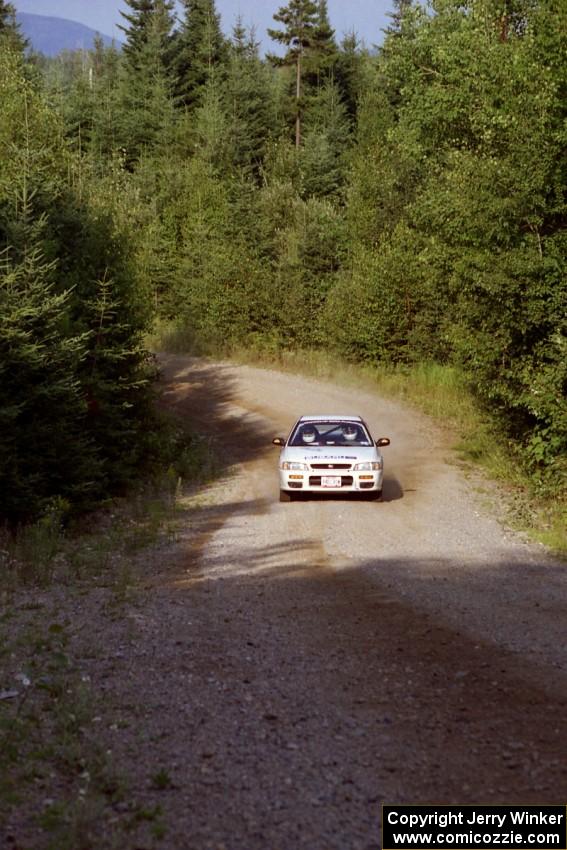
[309,435]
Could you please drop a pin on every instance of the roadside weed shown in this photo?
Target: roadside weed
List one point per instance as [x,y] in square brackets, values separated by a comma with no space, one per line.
[45,748]
[161,780]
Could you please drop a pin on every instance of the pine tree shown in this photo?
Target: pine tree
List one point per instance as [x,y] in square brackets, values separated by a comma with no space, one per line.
[106,64]
[7,16]
[249,102]
[136,26]
[398,17]
[323,51]
[44,452]
[300,19]
[200,50]
[9,28]
[351,72]
[139,24]
[146,95]
[327,127]
[211,128]
[76,415]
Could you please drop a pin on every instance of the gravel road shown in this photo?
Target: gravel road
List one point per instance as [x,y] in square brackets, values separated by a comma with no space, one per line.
[280,670]
[324,656]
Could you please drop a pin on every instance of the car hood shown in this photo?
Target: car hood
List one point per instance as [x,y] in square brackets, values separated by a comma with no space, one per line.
[319,454]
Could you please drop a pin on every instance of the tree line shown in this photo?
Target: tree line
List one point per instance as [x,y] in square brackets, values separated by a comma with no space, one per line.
[393,205]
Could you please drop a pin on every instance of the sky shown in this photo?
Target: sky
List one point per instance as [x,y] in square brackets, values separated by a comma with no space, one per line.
[366,17]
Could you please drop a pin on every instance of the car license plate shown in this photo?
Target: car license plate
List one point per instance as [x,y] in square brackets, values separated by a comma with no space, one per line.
[331,481]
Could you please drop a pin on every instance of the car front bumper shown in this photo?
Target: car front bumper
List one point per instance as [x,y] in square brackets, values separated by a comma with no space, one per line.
[314,481]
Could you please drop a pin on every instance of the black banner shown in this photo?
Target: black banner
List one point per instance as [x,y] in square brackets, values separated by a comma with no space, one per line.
[473,827]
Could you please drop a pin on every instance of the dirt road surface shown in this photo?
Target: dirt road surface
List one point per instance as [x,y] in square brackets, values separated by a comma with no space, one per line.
[286,668]
[332,654]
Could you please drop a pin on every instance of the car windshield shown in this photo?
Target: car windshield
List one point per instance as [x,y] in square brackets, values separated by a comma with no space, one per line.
[330,434]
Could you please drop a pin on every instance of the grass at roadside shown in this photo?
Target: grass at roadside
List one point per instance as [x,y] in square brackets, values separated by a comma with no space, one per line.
[60,786]
[47,748]
[440,392]
[60,547]
[64,584]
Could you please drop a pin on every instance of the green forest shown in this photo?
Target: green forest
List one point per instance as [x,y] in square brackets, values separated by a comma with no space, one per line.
[393,205]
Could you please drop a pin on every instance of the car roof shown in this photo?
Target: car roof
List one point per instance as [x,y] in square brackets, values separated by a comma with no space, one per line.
[324,417]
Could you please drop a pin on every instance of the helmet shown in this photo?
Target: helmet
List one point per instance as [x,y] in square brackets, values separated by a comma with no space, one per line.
[350,432]
[309,434]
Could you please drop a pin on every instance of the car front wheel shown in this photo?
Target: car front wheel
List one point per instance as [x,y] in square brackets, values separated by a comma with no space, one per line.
[286,496]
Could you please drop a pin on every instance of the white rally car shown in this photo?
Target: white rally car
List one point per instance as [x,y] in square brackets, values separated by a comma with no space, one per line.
[330,454]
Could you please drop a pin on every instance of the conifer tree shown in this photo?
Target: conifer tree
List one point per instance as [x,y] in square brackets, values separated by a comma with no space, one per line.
[106,67]
[323,51]
[44,452]
[137,27]
[351,72]
[248,102]
[9,29]
[398,16]
[75,407]
[326,139]
[147,87]
[211,126]
[7,16]
[300,19]
[200,50]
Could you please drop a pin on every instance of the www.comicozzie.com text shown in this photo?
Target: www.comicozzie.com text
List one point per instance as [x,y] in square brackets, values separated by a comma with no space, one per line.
[484,839]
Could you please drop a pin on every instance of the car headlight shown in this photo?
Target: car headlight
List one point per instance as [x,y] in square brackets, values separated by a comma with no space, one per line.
[368,465]
[290,464]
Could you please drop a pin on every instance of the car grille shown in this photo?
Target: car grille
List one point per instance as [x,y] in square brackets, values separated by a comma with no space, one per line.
[315,480]
[331,466]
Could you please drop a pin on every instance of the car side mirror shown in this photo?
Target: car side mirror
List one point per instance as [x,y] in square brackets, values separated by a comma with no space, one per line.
[278,441]
[383,441]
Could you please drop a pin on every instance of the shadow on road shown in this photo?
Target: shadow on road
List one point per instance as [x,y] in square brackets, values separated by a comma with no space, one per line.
[205,394]
[316,694]
[475,720]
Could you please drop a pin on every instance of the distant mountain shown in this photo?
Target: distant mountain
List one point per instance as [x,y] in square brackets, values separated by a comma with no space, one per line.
[52,35]
[99,15]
